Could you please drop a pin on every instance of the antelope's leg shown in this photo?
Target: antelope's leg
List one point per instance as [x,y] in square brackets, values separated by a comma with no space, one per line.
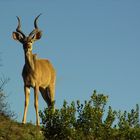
[36,91]
[45,95]
[27,96]
[52,95]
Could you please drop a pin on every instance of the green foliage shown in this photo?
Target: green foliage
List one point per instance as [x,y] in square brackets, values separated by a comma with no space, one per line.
[59,124]
[88,121]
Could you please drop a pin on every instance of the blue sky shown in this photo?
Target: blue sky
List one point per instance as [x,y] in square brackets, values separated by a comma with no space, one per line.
[93,44]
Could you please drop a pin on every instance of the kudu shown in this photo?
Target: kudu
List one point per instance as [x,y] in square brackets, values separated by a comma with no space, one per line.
[37,73]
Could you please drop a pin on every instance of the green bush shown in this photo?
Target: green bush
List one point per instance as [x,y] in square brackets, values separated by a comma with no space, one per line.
[90,121]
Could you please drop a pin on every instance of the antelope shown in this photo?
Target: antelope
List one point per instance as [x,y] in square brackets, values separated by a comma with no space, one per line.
[37,73]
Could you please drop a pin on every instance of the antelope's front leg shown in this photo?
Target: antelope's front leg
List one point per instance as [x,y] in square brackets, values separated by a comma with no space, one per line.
[36,91]
[27,96]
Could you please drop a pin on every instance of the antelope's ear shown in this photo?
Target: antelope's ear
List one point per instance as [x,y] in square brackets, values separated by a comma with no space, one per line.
[37,36]
[17,36]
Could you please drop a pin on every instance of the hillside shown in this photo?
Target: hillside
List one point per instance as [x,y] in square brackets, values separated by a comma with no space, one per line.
[12,130]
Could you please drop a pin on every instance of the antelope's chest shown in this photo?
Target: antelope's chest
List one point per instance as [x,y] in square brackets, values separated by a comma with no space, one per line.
[29,81]
[29,78]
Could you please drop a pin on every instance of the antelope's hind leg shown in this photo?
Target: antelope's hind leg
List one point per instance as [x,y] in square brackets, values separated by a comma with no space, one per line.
[51,89]
[45,95]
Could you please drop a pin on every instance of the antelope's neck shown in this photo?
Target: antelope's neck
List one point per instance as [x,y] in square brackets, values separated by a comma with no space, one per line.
[29,60]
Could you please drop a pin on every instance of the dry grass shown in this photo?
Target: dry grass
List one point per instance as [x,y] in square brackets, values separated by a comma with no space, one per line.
[12,130]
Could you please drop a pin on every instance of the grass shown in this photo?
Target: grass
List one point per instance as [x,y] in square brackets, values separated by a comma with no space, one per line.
[12,130]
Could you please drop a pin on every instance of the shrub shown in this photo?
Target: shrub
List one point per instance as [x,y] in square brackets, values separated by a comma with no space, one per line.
[88,121]
[4,106]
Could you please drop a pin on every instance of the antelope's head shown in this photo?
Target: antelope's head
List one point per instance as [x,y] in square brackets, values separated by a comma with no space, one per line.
[27,41]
